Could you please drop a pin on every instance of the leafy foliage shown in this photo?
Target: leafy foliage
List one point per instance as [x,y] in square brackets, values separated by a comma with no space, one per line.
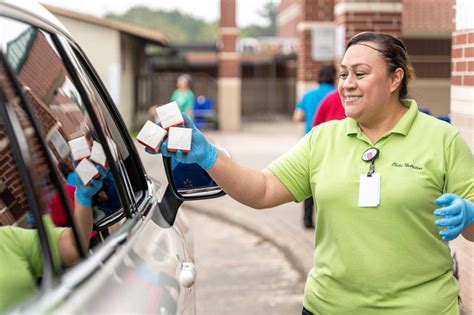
[180,27]
[268,13]
[177,26]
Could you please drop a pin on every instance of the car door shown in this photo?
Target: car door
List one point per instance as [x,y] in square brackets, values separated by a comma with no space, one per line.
[136,260]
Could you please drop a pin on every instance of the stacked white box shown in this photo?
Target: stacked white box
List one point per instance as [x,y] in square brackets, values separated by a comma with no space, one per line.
[86,170]
[169,115]
[79,148]
[180,139]
[151,136]
[98,154]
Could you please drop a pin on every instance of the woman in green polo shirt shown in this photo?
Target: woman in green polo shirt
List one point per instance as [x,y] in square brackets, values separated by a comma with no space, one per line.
[20,252]
[377,183]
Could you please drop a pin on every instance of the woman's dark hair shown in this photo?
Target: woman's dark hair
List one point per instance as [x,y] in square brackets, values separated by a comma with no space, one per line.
[393,51]
[327,74]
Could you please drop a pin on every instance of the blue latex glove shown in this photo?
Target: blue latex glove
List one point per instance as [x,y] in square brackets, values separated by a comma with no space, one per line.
[83,193]
[459,214]
[202,152]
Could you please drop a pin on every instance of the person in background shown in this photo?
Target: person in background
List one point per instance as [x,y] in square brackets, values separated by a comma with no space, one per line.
[331,108]
[304,111]
[388,200]
[183,95]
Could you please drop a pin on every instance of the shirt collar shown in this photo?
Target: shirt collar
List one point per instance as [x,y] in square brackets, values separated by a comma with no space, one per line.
[403,125]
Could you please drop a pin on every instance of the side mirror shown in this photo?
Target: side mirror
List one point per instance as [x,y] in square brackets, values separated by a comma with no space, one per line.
[190,181]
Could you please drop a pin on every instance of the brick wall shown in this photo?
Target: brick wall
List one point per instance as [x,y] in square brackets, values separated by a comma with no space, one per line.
[9,175]
[288,17]
[42,59]
[357,16]
[417,22]
[314,14]
[229,82]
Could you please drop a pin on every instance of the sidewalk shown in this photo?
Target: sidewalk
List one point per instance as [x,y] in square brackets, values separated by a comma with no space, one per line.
[256,145]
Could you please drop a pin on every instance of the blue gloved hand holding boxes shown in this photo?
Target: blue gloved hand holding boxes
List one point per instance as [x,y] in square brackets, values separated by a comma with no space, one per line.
[202,152]
[84,193]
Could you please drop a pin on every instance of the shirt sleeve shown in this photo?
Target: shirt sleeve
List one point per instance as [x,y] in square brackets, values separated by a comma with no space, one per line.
[293,169]
[459,169]
[300,104]
[31,246]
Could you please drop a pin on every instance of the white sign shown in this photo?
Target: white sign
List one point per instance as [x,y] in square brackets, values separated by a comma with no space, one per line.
[59,143]
[323,43]
[464,10]
[340,41]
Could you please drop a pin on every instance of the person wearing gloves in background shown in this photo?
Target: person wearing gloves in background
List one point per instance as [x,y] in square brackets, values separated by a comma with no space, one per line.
[379,186]
[21,253]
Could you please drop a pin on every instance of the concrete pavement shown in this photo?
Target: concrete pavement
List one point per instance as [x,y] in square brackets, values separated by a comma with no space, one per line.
[256,145]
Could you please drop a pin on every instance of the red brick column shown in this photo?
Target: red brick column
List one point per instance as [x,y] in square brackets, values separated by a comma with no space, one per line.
[355,16]
[462,117]
[314,14]
[229,82]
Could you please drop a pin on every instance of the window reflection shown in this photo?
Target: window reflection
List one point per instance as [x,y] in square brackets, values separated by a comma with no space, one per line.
[60,109]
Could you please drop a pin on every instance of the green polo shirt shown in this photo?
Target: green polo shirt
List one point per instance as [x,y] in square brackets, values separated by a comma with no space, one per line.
[20,260]
[388,259]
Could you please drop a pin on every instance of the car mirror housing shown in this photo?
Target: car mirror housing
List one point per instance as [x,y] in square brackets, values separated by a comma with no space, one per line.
[190,181]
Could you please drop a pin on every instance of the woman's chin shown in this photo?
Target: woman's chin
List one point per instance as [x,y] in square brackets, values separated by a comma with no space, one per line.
[351,113]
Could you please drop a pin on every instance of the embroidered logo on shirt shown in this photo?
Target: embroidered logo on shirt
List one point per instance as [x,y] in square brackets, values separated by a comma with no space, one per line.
[407,165]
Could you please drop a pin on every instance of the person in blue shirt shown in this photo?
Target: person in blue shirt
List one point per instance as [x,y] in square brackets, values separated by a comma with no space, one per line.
[305,110]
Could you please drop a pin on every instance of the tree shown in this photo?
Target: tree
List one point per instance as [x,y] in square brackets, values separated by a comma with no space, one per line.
[269,13]
[178,27]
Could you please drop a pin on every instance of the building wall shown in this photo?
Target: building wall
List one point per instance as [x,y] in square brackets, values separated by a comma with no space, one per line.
[103,48]
[417,22]
[289,15]
[128,69]
[424,26]
[462,112]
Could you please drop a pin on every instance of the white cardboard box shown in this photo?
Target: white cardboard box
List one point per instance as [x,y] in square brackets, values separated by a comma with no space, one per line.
[86,170]
[98,154]
[180,139]
[79,148]
[169,115]
[151,136]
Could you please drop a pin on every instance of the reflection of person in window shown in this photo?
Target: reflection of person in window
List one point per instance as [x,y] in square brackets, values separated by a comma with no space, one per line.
[20,253]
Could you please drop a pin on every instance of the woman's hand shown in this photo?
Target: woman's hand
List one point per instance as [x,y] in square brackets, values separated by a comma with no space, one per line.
[202,152]
[458,212]
[83,193]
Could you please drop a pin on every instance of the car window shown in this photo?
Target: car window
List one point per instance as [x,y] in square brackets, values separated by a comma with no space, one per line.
[134,178]
[29,241]
[62,113]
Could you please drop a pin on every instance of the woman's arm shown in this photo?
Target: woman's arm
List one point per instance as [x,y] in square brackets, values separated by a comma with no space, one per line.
[257,189]
[67,243]
[468,232]
[68,249]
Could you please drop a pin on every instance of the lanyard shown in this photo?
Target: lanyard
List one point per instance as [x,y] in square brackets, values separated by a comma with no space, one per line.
[370,155]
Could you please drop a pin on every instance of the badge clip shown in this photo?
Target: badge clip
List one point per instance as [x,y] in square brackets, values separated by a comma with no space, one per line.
[370,155]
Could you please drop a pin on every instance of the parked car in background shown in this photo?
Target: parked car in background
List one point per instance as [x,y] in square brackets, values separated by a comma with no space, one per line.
[140,258]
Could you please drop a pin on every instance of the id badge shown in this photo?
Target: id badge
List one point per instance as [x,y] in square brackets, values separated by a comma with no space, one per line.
[369,191]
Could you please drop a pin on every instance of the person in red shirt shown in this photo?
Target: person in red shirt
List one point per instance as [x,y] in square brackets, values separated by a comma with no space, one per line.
[330,108]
